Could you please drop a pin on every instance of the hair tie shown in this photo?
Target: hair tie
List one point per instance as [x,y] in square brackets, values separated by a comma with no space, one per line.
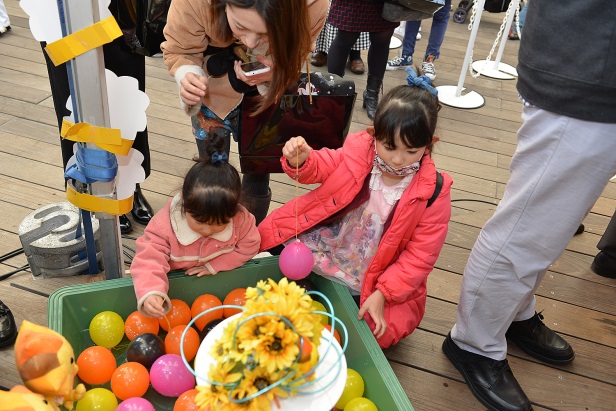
[420,81]
[219,158]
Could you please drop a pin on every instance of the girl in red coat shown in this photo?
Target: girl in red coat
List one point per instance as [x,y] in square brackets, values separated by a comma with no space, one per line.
[368,224]
[203,230]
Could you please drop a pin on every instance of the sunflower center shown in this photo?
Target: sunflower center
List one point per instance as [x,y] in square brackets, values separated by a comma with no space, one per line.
[276,345]
[261,383]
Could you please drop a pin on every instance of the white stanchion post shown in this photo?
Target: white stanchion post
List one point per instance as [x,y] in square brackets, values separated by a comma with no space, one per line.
[496,69]
[452,95]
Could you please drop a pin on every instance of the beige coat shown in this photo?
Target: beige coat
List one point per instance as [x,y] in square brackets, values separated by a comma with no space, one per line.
[188,33]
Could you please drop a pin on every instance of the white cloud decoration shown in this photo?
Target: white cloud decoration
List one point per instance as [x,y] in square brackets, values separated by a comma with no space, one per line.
[127,105]
[45,18]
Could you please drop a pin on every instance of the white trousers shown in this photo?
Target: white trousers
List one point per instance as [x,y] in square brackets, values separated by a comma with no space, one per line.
[4,17]
[560,168]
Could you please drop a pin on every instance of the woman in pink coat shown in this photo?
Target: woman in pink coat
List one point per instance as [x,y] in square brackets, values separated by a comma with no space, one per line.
[203,230]
[368,224]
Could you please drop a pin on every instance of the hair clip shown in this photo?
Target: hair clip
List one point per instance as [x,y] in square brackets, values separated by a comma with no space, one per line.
[423,82]
[219,158]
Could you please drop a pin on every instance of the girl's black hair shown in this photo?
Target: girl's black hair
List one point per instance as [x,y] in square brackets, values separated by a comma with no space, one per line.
[409,111]
[211,189]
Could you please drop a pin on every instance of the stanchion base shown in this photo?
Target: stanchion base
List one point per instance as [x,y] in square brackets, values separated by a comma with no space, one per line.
[394,42]
[447,96]
[502,71]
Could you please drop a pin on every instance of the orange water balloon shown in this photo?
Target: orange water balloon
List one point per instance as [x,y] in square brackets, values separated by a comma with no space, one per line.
[96,365]
[186,401]
[179,315]
[130,379]
[202,303]
[137,324]
[191,342]
[235,297]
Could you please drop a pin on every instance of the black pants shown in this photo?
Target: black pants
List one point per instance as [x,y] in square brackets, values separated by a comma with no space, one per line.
[607,244]
[120,60]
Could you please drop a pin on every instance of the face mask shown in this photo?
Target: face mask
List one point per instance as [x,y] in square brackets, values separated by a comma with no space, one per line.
[400,172]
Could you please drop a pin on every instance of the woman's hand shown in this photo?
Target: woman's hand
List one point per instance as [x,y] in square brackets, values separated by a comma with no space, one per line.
[193,88]
[153,306]
[257,78]
[200,271]
[375,306]
[296,151]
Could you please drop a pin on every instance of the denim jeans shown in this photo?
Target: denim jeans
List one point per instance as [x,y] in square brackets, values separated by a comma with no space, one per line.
[437,33]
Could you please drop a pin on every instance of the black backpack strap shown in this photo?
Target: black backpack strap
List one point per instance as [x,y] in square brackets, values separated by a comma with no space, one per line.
[437,189]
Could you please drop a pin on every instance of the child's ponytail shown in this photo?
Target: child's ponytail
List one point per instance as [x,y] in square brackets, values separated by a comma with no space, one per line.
[212,187]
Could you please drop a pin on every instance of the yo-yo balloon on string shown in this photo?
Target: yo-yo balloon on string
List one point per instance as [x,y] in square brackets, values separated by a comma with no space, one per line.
[296,261]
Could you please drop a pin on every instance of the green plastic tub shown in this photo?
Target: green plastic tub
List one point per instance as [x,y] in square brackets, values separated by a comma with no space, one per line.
[72,308]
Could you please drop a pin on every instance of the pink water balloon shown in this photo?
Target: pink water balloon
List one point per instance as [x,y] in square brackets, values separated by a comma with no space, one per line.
[296,261]
[170,377]
[135,404]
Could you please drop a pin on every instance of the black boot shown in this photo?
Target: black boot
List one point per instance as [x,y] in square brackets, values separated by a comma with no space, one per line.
[371,95]
[142,210]
[125,225]
[258,205]
[8,328]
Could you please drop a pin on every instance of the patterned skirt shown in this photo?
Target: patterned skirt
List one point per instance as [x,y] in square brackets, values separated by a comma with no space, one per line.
[358,16]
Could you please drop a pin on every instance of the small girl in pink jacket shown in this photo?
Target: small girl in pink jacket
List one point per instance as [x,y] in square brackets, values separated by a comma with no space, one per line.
[203,230]
[368,224]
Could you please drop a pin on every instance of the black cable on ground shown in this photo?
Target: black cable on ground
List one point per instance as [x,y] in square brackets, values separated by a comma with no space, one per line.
[10,273]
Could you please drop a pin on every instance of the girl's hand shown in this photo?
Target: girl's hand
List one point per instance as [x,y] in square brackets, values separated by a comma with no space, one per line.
[200,271]
[193,88]
[375,306]
[153,306]
[296,151]
[257,78]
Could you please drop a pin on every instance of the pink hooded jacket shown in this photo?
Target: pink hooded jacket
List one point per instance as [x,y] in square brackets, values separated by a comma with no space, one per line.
[169,244]
[410,244]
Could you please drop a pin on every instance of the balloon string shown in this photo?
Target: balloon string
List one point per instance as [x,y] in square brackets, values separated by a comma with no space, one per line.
[168,322]
[296,191]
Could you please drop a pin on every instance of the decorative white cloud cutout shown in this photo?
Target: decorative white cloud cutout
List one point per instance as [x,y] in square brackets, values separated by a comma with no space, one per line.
[45,17]
[127,105]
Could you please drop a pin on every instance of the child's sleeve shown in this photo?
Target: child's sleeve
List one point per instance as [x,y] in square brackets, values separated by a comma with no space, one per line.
[317,167]
[406,277]
[150,265]
[247,245]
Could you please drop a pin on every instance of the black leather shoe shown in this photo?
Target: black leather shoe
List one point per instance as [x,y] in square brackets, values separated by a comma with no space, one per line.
[490,381]
[125,225]
[8,328]
[142,210]
[580,229]
[604,265]
[536,339]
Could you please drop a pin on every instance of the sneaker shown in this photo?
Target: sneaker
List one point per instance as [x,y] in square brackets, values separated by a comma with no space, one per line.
[4,29]
[400,63]
[513,35]
[427,68]
[536,339]
[418,37]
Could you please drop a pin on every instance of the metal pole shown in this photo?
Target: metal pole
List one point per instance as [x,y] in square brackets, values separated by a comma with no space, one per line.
[514,6]
[90,101]
[469,48]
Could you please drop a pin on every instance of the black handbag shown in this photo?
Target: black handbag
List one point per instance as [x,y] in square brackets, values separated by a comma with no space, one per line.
[324,122]
[410,10]
[151,20]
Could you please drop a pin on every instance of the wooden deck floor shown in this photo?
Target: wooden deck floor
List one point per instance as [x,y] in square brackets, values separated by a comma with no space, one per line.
[476,148]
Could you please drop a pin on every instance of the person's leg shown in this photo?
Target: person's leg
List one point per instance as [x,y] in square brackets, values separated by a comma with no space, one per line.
[604,262]
[440,20]
[405,59]
[528,232]
[530,228]
[339,51]
[377,63]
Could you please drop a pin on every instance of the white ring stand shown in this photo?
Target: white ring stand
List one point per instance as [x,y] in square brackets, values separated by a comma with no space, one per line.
[394,42]
[452,95]
[496,69]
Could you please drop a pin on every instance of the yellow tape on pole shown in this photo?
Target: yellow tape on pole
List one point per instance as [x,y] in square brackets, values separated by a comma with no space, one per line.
[79,42]
[97,204]
[108,139]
